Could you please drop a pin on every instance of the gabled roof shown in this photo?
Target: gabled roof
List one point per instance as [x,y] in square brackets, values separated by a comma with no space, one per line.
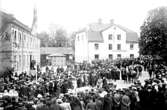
[94,36]
[98,26]
[56,50]
[131,36]
[6,19]
[95,29]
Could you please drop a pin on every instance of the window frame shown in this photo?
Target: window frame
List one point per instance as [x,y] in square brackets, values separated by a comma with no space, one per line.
[110,58]
[132,55]
[118,46]
[96,55]
[131,48]
[119,55]
[110,47]
[118,36]
[96,46]
[110,37]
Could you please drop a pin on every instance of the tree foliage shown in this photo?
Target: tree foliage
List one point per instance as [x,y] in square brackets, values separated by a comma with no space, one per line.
[56,38]
[45,40]
[61,38]
[153,34]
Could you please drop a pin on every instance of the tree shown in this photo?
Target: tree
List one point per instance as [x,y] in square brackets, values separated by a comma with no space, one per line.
[44,37]
[61,38]
[153,34]
[46,40]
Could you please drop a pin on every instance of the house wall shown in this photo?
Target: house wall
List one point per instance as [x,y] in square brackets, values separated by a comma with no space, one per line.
[21,48]
[134,51]
[85,51]
[114,31]
[81,47]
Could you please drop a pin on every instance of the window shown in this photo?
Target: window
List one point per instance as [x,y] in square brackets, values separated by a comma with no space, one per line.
[96,46]
[119,37]
[110,57]
[118,46]
[118,55]
[15,33]
[110,37]
[19,37]
[96,56]
[110,46]
[131,55]
[131,46]
[15,58]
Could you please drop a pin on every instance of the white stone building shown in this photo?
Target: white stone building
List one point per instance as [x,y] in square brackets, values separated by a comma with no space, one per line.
[105,41]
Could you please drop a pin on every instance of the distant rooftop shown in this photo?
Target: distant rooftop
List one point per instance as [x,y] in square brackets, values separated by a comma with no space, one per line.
[95,29]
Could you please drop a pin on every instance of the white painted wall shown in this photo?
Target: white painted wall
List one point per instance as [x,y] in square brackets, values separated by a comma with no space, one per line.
[114,31]
[85,51]
[134,51]
[81,47]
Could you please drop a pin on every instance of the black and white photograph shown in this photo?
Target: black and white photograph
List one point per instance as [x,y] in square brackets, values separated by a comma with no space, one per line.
[83,54]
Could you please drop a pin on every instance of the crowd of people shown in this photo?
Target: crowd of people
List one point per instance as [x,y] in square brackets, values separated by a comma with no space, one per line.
[51,90]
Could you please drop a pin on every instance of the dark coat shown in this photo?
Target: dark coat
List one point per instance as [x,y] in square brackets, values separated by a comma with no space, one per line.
[125,103]
[55,107]
[108,103]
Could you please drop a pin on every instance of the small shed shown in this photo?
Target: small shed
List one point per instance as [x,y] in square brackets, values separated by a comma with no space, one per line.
[57,59]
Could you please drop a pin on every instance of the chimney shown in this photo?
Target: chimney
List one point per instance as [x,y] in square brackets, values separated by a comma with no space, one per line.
[100,21]
[112,21]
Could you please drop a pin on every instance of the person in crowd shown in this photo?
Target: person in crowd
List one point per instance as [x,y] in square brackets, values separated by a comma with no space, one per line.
[91,105]
[22,91]
[125,102]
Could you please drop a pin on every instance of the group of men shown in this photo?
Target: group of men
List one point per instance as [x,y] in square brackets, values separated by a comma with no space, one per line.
[51,90]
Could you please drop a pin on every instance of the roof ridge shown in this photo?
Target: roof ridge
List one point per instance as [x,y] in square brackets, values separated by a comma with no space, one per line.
[125,28]
[13,19]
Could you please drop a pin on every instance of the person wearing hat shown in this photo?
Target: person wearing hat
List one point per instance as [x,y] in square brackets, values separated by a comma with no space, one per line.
[125,102]
[91,104]
[75,104]
[54,104]
[108,102]
[116,101]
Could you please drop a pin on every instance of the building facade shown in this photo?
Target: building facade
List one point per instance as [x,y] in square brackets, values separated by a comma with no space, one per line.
[105,41]
[57,60]
[18,47]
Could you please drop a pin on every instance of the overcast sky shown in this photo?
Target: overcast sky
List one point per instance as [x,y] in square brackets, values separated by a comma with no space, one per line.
[76,14]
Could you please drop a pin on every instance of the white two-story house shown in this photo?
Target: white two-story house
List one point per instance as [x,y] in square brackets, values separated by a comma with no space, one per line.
[105,41]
